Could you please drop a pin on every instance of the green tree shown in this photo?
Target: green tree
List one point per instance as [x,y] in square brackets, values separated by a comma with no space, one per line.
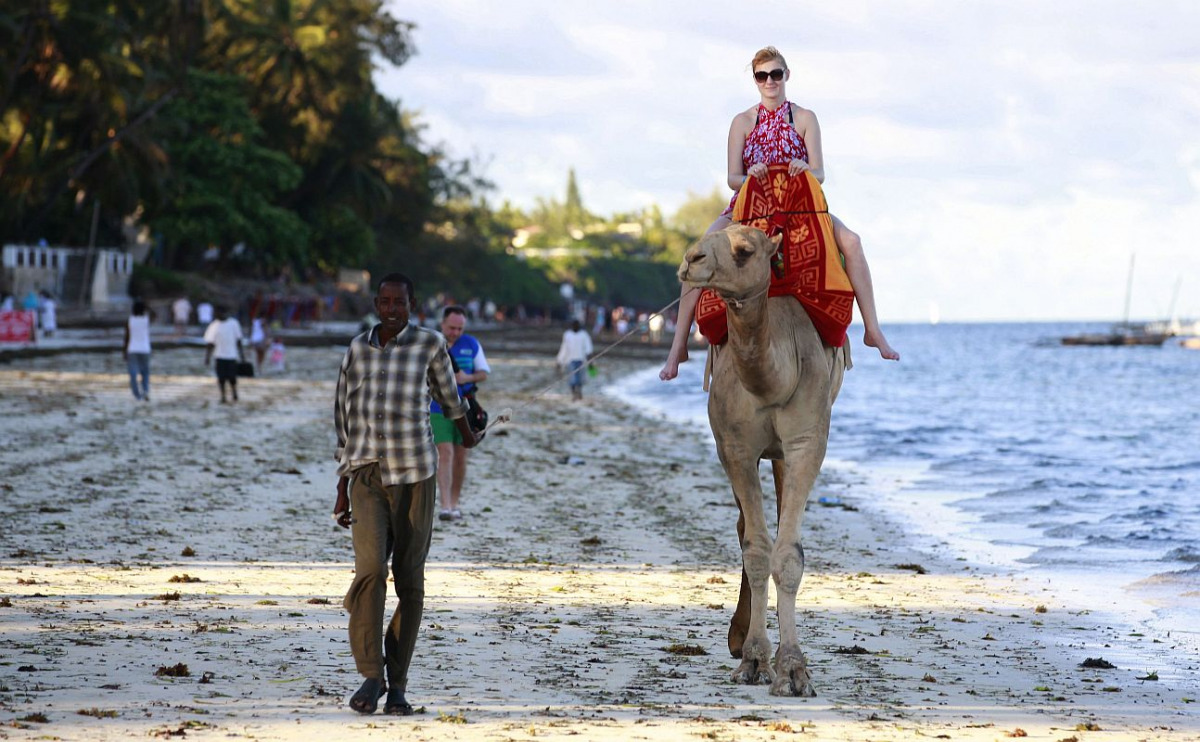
[226,185]
[574,214]
[82,81]
[697,212]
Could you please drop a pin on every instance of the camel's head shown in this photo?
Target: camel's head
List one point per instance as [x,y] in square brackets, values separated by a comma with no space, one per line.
[735,261]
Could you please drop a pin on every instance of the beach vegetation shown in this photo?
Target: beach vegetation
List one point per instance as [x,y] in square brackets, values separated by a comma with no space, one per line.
[36,717]
[251,139]
[178,670]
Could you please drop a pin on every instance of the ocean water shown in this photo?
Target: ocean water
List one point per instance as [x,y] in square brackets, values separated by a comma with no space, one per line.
[1077,466]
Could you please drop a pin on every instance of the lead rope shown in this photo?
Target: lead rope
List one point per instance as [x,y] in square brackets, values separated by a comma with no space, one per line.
[507,413]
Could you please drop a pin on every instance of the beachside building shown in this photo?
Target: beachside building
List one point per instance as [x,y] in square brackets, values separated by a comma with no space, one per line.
[96,278]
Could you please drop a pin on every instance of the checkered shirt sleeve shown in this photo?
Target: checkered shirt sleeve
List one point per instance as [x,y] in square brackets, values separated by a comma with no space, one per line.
[381,411]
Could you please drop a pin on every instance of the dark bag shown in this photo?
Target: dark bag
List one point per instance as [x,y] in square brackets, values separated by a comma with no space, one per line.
[477,417]
[245,369]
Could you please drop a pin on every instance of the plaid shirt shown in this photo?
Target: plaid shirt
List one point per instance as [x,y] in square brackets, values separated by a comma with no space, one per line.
[381,412]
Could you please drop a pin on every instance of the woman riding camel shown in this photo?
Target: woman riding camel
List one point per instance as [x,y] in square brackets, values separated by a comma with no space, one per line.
[777,132]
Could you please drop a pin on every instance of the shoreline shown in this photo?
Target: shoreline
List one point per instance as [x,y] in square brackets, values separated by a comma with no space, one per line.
[550,608]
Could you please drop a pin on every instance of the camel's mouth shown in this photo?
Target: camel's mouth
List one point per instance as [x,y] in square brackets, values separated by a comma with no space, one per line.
[695,269]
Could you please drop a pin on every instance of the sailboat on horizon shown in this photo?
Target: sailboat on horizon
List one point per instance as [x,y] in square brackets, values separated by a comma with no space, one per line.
[1124,333]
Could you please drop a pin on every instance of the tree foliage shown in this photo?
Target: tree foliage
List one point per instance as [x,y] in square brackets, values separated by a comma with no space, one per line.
[253,130]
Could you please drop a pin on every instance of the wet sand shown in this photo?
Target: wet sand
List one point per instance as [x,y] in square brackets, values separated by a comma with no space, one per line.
[170,569]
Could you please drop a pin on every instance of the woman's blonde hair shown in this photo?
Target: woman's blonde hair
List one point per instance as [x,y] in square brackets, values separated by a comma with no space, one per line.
[766,54]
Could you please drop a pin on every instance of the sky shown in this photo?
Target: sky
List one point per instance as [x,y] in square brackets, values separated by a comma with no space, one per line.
[1000,160]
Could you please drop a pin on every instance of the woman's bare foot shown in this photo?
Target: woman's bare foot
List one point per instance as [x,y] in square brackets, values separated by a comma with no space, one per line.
[674,358]
[877,340]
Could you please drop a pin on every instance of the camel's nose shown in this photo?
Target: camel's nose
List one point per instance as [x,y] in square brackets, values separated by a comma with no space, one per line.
[691,261]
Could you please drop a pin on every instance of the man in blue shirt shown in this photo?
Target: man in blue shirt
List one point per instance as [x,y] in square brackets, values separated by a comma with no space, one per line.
[472,368]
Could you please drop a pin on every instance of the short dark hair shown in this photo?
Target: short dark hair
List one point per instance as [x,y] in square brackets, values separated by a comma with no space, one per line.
[139,308]
[453,309]
[401,279]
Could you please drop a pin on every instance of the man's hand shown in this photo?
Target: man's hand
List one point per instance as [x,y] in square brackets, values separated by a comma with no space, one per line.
[462,378]
[469,438]
[341,505]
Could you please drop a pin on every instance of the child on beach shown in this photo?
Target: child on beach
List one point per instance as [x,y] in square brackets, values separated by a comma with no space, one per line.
[275,354]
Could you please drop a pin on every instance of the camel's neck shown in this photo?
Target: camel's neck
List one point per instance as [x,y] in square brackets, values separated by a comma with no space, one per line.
[750,342]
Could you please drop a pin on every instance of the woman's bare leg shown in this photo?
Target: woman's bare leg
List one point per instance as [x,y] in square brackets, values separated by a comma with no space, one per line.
[864,292]
[688,298]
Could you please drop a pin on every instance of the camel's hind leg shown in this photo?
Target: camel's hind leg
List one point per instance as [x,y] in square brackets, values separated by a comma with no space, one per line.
[756,561]
[740,623]
[792,677]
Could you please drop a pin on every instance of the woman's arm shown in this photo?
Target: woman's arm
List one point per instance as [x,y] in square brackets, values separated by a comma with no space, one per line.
[810,131]
[737,141]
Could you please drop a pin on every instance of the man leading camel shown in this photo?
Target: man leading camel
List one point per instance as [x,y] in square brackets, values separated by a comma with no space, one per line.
[471,367]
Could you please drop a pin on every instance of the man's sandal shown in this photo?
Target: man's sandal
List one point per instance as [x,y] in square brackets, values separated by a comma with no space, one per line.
[396,705]
[366,699]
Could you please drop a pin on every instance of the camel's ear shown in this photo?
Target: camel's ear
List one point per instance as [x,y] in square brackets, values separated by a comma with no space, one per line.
[776,240]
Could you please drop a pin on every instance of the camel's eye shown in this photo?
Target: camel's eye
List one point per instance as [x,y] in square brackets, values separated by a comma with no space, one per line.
[741,254]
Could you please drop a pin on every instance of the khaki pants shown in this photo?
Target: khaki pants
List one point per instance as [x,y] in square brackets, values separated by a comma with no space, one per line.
[395,522]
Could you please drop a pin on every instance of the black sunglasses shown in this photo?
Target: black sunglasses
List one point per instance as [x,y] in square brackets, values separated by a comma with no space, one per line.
[775,74]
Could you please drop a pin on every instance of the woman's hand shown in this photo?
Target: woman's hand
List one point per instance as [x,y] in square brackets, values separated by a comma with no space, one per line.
[757,170]
[795,167]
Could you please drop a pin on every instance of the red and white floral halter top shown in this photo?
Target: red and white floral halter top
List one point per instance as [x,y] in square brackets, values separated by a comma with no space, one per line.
[774,139]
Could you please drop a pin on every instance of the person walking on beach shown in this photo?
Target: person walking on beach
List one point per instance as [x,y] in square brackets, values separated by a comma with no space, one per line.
[386,485]
[223,339]
[204,313]
[471,367]
[49,314]
[258,341]
[778,132]
[573,355]
[136,350]
[181,312]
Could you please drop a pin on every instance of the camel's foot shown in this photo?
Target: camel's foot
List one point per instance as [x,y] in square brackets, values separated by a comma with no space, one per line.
[792,677]
[756,664]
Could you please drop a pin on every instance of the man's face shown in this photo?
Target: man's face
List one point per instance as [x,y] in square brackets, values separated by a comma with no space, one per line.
[393,304]
[452,328]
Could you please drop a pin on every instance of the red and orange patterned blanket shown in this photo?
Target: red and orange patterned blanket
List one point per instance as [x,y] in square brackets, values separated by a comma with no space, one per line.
[808,265]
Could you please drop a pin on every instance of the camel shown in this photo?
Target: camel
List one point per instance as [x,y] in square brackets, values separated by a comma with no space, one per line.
[773,384]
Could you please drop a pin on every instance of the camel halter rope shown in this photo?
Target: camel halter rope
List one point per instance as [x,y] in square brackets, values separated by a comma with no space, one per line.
[507,413]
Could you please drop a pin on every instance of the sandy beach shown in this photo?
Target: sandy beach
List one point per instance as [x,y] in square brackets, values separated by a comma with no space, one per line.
[171,570]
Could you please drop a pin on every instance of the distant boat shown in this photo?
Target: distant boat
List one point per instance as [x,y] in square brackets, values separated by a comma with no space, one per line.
[1120,335]
[1125,333]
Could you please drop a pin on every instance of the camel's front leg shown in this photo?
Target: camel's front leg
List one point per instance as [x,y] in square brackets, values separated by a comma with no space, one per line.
[740,623]
[756,561]
[792,677]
